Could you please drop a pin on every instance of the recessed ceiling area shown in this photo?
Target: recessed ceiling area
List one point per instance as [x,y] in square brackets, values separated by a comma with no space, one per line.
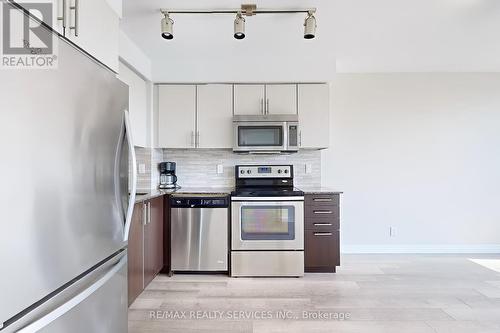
[352,36]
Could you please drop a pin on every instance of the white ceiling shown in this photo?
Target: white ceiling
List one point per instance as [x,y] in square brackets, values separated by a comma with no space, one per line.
[352,36]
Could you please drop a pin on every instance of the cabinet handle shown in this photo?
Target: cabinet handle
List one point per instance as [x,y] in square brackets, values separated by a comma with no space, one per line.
[149,212]
[322,224]
[300,138]
[322,199]
[74,8]
[198,139]
[262,106]
[144,214]
[322,212]
[63,17]
[323,234]
[267,106]
[193,139]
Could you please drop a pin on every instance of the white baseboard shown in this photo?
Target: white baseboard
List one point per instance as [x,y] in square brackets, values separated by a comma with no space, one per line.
[438,248]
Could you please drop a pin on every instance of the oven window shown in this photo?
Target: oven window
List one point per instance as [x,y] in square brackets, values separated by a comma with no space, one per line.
[260,136]
[268,223]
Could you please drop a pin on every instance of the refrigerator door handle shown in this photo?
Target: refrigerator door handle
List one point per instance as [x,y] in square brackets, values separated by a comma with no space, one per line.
[66,307]
[133,162]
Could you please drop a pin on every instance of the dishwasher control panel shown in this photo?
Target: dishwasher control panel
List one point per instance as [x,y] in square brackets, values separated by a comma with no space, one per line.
[199,202]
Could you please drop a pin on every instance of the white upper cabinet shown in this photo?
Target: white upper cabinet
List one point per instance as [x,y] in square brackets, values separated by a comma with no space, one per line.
[138,105]
[94,26]
[260,99]
[200,116]
[176,116]
[58,11]
[314,115]
[249,99]
[281,99]
[215,113]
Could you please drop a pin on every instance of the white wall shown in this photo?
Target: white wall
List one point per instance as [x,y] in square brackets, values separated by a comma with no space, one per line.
[139,109]
[131,54]
[421,153]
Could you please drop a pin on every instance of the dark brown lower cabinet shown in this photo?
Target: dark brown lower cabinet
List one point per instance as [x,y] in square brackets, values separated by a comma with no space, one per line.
[135,254]
[321,234]
[321,254]
[153,240]
[166,236]
[145,246]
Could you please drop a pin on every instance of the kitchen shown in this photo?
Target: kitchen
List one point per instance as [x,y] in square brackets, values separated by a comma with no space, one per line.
[287,166]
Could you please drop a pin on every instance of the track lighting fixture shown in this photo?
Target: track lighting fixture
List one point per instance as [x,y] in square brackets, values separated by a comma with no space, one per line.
[310,26]
[239,26]
[167,26]
[239,21]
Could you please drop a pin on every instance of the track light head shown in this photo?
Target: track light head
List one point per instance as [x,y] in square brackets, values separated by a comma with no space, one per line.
[310,26]
[167,27]
[239,26]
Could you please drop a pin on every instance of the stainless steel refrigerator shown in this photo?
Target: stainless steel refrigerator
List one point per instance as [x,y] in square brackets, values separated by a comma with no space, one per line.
[64,197]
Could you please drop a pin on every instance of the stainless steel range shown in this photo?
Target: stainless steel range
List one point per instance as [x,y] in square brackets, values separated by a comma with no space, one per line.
[267,219]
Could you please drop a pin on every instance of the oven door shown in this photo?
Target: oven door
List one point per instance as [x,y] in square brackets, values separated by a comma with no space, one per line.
[260,136]
[267,223]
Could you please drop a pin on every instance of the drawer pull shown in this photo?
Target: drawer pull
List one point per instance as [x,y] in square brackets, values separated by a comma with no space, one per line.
[321,224]
[323,234]
[322,212]
[323,199]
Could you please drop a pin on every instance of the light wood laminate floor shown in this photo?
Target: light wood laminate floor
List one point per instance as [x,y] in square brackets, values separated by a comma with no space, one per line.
[370,293]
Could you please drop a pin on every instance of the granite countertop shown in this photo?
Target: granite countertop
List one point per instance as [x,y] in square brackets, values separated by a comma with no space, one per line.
[319,190]
[224,190]
[183,190]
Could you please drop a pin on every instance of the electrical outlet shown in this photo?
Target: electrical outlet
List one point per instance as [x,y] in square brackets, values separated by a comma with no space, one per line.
[142,168]
[220,169]
[392,232]
[309,168]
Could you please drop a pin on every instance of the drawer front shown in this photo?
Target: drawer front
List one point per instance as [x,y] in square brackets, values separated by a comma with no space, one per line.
[322,213]
[322,200]
[321,250]
[322,224]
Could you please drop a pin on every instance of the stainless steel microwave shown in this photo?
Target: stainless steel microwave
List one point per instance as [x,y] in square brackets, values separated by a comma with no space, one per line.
[266,133]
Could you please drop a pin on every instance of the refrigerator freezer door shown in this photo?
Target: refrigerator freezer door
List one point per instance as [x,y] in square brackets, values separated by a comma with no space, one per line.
[101,306]
[61,214]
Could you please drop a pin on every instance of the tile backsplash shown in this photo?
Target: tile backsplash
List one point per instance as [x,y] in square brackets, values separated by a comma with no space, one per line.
[198,168]
[143,156]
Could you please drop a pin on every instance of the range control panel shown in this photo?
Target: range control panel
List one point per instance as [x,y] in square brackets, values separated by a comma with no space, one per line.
[264,171]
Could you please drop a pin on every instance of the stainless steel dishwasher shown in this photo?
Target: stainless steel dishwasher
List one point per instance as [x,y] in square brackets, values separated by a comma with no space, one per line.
[199,232]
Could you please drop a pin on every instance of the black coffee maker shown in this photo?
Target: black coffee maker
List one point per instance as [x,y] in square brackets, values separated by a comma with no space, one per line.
[168,179]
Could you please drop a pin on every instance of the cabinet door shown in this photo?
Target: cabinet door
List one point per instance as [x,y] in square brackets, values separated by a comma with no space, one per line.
[215,113]
[136,254]
[176,116]
[53,22]
[281,98]
[96,29]
[249,99]
[138,104]
[61,17]
[321,251]
[314,115]
[153,240]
